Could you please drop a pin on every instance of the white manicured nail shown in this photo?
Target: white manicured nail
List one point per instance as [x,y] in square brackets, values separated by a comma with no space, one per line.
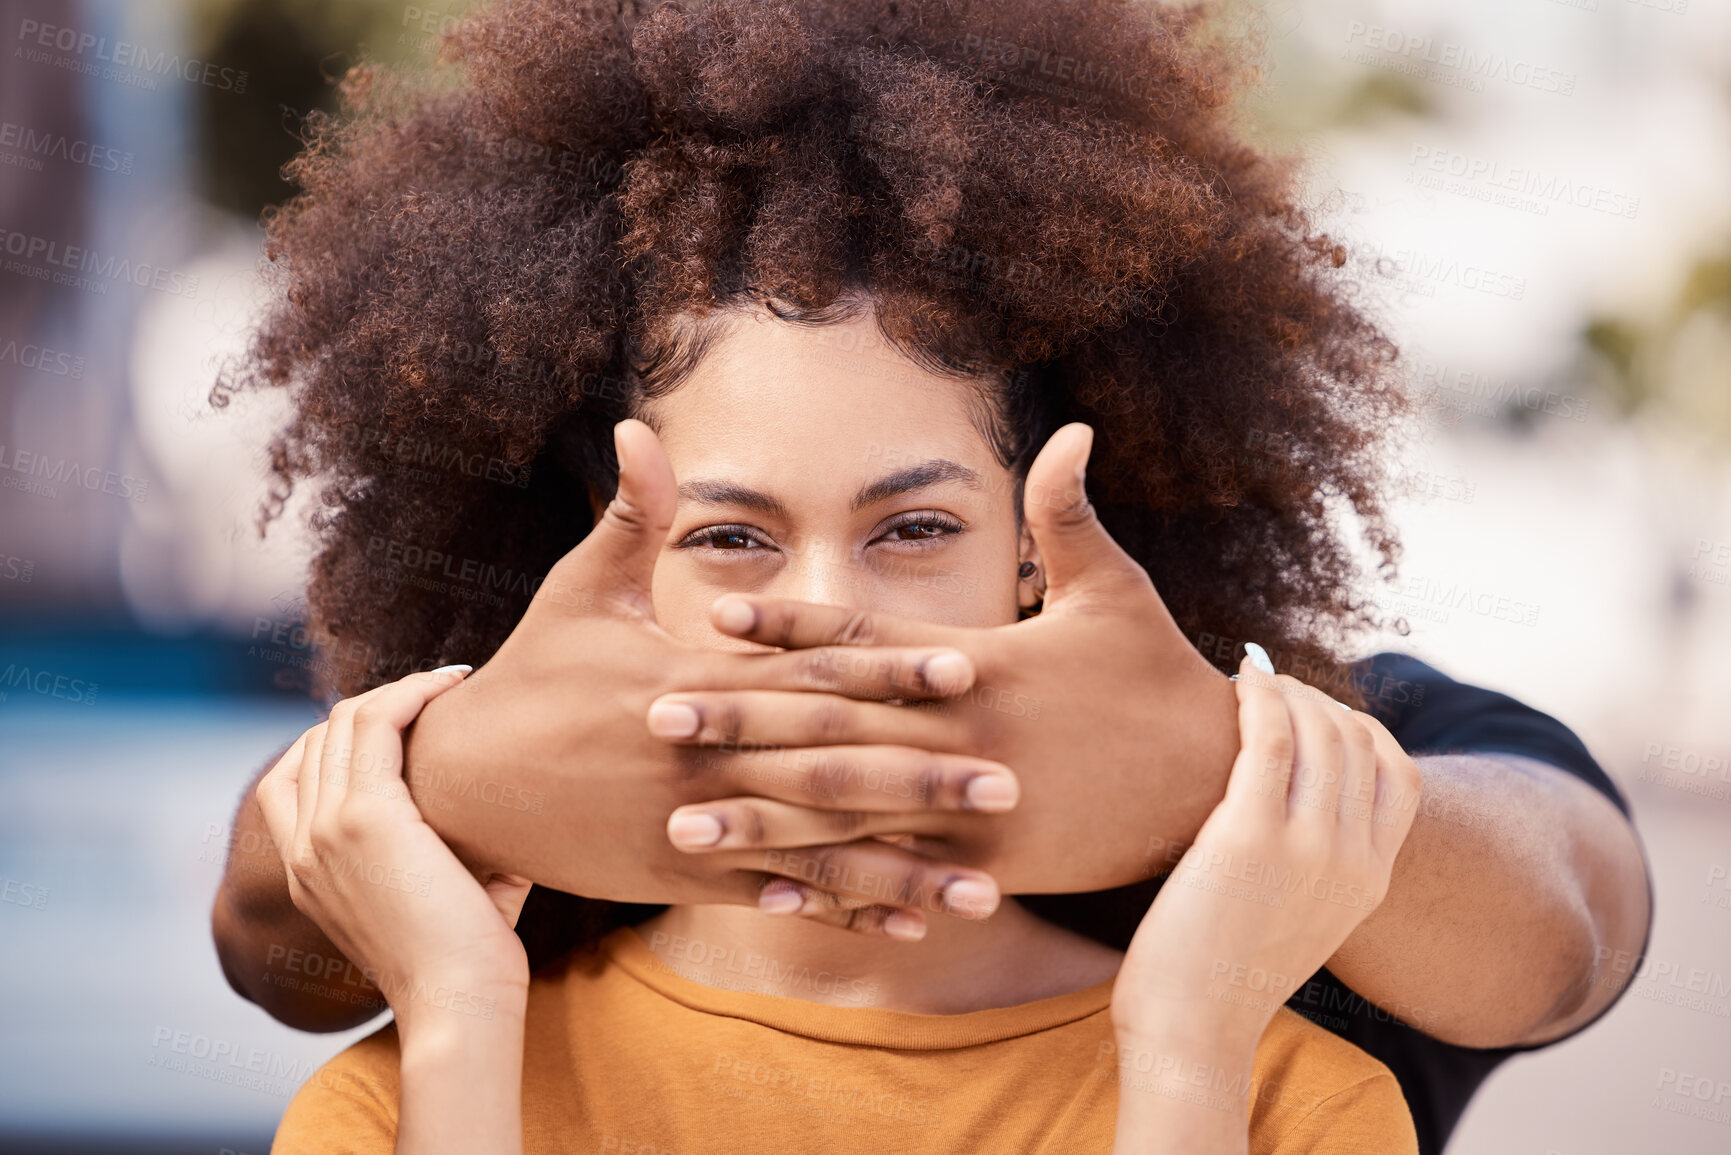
[1259,657]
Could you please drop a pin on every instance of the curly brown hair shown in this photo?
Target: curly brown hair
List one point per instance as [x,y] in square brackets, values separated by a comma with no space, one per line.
[486,268]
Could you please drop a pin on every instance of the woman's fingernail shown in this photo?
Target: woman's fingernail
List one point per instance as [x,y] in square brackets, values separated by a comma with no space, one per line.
[946,673]
[694,828]
[1258,657]
[456,669]
[992,792]
[779,901]
[673,720]
[734,615]
[971,897]
[905,926]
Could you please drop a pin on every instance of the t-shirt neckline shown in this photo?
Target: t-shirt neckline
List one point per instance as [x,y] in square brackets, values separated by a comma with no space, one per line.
[859,1026]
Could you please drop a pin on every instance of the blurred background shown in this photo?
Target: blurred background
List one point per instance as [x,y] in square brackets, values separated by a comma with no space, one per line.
[1546,180]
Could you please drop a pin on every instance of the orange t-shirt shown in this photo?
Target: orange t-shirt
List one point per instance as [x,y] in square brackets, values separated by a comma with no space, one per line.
[623,1055]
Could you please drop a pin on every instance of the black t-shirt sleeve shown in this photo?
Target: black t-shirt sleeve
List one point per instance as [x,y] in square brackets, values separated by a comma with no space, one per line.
[1431,713]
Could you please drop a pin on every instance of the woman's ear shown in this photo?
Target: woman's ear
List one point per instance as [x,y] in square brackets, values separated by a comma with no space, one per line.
[1031,574]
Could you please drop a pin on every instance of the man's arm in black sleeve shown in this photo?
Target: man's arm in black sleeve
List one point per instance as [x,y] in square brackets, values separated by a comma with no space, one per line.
[1521,896]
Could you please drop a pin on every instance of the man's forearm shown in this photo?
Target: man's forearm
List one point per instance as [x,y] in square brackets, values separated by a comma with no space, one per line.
[1515,892]
[271,953]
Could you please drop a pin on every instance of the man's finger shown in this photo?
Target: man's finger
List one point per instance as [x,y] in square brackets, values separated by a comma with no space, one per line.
[901,780]
[751,719]
[795,625]
[871,921]
[1076,552]
[751,823]
[882,673]
[614,565]
[873,873]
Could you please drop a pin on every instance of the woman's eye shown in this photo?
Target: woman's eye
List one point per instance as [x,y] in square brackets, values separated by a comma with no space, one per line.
[921,528]
[916,530]
[724,537]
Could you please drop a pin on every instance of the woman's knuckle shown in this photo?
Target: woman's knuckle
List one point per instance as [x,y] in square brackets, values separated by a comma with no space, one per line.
[815,668]
[726,716]
[859,629]
[748,820]
[829,720]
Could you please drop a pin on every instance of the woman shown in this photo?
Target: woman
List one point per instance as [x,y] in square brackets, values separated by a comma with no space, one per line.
[501,268]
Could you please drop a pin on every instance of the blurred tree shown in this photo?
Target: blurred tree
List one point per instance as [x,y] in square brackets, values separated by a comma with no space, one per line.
[293,51]
[1676,363]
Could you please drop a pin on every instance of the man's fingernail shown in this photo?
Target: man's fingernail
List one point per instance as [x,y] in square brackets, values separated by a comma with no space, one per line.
[779,901]
[1258,657]
[694,828]
[971,897]
[905,926]
[946,673]
[993,792]
[456,669]
[734,615]
[673,720]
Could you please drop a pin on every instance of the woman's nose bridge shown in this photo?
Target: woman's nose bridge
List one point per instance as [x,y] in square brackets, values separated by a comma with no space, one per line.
[822,570]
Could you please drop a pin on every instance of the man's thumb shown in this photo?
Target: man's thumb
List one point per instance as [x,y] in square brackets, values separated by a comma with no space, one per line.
[1075,548]
[617,559]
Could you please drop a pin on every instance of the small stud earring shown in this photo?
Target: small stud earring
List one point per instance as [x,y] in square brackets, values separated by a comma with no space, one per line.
[1026,571]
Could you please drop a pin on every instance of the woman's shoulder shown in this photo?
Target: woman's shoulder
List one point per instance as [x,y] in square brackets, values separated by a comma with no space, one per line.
[349,1104]
[1309,1083]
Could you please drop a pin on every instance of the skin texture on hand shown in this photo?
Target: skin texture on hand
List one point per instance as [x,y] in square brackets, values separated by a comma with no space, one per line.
[1296,855]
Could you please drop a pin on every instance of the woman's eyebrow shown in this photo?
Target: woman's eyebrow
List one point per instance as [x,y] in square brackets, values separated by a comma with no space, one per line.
[915,477]
[727,493]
